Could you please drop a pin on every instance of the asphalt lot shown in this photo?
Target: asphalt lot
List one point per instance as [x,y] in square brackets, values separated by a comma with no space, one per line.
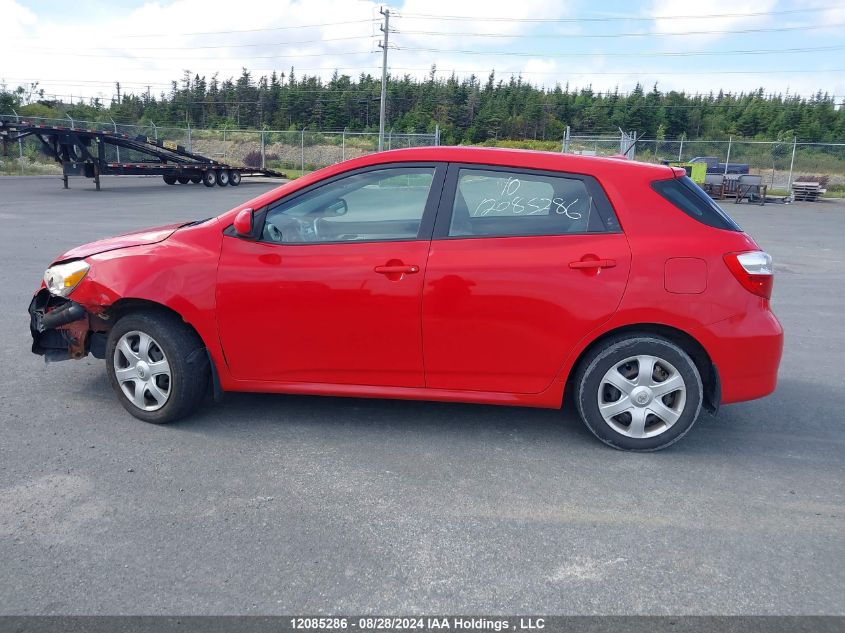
[278,504]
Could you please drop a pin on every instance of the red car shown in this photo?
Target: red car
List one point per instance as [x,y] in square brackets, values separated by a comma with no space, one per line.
[445,273]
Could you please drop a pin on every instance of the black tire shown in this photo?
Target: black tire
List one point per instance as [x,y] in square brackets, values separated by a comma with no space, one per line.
[170,180]
[188,378]
[196,178]
[183,180]
[222,177]
[234,177]
[209,178]
[599,361]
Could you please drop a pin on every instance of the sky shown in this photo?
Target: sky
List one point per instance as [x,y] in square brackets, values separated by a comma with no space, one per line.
[81,48]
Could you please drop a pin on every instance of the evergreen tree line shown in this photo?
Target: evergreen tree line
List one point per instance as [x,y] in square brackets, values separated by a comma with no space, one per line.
[467,110]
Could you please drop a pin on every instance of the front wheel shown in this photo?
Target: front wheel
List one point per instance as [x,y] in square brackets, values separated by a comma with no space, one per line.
[157,366]
[209,178]
[222,177]
[234,177]
[638,393]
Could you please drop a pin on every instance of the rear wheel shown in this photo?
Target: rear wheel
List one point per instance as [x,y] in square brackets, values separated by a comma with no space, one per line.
[234,178]
[196,178]
[209,178]
[639,393]
[183,180]
[170,180]
[157,366]
[222,177]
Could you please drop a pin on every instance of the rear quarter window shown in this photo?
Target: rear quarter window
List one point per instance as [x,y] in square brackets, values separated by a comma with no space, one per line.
[687,196]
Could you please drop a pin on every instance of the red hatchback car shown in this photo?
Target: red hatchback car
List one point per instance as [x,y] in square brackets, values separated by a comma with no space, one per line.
[446,273]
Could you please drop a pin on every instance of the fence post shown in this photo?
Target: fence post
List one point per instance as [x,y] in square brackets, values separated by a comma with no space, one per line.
[302,150]
[436,134]
[681,150]
[116,147]
[190,140]
[20,142]
[566,135]
[343,145]
[263,152]
[155,131]
[728,159]
[71,119]
[791,165]
[389,138]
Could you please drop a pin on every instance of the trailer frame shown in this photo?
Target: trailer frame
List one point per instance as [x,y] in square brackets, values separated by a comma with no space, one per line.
[82,152]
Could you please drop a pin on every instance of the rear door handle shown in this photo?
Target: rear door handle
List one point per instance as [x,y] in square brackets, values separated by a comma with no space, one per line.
[593,263]
[397,270]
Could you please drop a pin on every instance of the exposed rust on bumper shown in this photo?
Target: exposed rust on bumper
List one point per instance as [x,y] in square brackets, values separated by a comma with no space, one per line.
[62,329]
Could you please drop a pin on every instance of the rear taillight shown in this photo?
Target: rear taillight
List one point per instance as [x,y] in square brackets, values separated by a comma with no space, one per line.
[753,269]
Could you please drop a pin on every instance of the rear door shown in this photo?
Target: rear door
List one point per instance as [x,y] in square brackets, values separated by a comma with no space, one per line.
[523,264]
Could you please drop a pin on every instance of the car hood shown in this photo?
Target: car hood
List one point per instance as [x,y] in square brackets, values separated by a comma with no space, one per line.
[138,238]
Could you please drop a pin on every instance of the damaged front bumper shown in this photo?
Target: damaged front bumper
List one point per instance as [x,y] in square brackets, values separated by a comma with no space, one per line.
[62,329]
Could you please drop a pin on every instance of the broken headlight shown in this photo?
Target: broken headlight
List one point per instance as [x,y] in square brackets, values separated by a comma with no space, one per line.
[63,278]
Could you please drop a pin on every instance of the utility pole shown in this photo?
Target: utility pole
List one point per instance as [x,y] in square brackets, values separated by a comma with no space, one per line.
[117,85]
[386,30]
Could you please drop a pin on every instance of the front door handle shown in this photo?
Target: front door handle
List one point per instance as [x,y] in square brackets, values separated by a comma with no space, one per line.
[593,263]
[397,270]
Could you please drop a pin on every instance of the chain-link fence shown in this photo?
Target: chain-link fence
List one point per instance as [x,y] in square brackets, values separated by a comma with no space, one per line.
[285,150]
[780,163]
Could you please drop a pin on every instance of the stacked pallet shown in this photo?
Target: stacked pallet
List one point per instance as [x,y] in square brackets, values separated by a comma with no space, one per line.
[807,191]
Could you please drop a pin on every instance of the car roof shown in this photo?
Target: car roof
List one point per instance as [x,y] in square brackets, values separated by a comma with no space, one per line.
[532,159]
[600,167]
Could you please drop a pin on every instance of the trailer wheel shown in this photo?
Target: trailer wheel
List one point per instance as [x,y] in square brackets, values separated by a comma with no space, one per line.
[170,180]
[222,177]
[234,178]
[183,180]
[196,179]
[209,178]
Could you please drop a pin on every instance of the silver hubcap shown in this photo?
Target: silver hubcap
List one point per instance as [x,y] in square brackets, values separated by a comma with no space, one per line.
[142,371]
[643,396]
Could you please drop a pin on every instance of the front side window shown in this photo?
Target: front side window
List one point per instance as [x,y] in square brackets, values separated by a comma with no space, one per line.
[377,205]
[503,203]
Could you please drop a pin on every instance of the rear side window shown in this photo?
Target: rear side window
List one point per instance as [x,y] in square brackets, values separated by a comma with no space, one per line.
[503,203]
[691,199]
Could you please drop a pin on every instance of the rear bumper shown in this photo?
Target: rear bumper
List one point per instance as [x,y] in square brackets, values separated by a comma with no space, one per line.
[746,350]
[61,329]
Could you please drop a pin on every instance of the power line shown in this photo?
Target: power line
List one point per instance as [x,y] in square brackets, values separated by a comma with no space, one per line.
[613,18]
[274,28]
[568,36]
[112,55]
[219,46]
[758,51]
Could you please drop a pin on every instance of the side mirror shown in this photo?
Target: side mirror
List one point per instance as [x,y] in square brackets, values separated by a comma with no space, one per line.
[243,223]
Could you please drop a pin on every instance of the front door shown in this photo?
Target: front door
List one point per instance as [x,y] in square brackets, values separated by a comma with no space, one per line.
[331,291]
[522,266]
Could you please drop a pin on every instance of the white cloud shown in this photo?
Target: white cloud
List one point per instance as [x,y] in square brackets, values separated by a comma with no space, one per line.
[698,16]
[133,48]
[16,19]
